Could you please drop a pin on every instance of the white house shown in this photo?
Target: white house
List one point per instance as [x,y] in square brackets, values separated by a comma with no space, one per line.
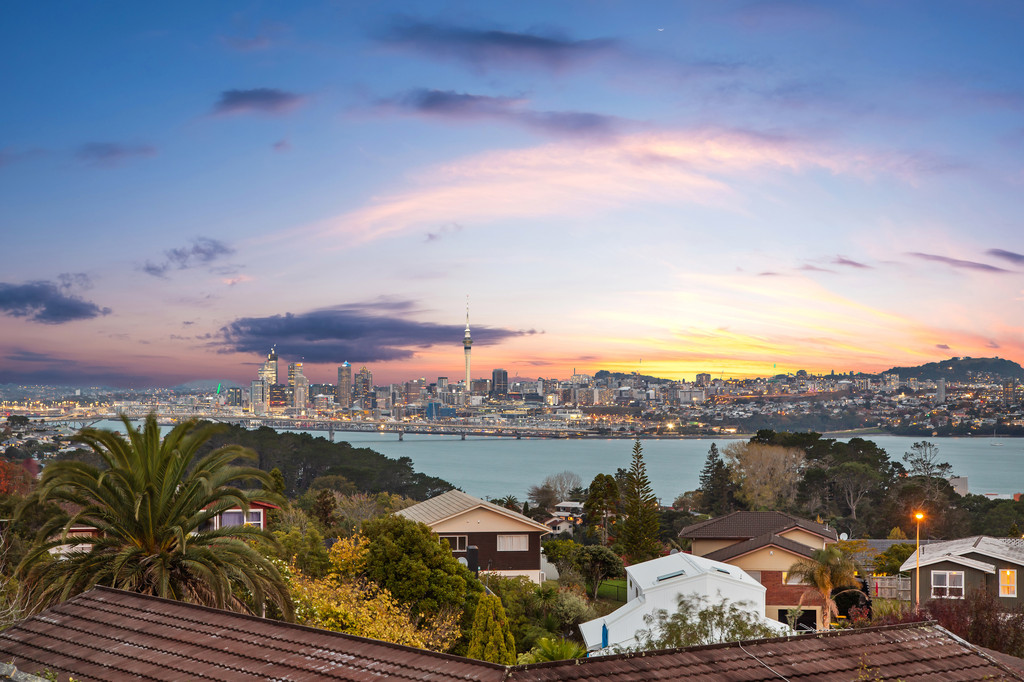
[657,584]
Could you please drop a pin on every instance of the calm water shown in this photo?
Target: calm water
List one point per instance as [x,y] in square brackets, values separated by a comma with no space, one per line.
[495,467]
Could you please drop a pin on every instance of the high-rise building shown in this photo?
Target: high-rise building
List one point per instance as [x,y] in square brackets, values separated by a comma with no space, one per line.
[259,396]
[362,389]
[1010,392]
[343,395]
[299,385]
[268,372]
[467,343]
[234,397]
[703,379]
[499,382]
[940,391]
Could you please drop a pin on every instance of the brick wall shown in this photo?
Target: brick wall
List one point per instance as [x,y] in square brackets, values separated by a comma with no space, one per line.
[779,593]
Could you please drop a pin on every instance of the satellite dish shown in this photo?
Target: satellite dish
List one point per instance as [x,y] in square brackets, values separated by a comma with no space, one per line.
[674,551]
[462,560]
[844,536]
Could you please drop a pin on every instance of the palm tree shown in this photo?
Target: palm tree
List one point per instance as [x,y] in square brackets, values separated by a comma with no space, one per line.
[152,502]
[830,569]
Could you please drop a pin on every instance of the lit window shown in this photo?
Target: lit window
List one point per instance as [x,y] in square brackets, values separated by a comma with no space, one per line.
[1007,582]
[513,543]
[456,542]
[948,584]
[791,579]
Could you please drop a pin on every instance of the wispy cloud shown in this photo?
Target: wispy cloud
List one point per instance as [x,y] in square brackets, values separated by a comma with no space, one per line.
[815,268]
[464,106]
[111,154]
[201,252]
[49,302]
[942,346]
[1015,258]
[489,48]
[849,263]
[957,263]
[376,331]
[257,100]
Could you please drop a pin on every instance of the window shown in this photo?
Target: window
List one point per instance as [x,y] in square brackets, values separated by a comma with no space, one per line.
[456,542]
[949,584]
[790,579]
[1007,582]
[513,543]
[236,517]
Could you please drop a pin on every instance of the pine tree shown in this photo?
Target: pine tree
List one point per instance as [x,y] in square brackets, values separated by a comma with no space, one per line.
[639,534]
[491,640]
[715,485]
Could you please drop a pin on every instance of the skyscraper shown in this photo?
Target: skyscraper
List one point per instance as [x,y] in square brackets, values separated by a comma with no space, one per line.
[268,372]
[362,388]
[259,396]
[343,396]
[299,385]
[467,343]
[499,382]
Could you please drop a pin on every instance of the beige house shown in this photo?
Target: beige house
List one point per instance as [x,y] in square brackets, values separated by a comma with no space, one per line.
[766,545]
[507,543]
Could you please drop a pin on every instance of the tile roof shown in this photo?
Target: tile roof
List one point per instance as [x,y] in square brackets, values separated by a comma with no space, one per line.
[747,546]
[750,524]
[455,502]
[107,634]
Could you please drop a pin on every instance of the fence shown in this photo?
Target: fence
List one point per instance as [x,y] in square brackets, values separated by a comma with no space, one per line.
[890,587]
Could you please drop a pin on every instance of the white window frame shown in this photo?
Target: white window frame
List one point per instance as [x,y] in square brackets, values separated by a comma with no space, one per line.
[514,543]
[460,544]
[946,589]
[1007,582]
[254,516]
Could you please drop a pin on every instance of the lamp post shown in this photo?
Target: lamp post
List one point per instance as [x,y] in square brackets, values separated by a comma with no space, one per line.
[917,579]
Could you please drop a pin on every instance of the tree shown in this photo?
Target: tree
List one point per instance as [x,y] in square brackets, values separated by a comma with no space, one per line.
[853,481]
[889,561]
[563,484]
[407,559]
[596,563]
[923,460]
[14,479]
[323,507]
[602,504]
[153,504]
[766,476]
[490,639]
[716,487]
[553,649]
[543,497]
[639,530]
[829,570]
[696,622]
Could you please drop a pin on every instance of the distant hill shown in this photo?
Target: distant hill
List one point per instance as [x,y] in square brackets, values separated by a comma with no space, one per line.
[604,374]
[962,369]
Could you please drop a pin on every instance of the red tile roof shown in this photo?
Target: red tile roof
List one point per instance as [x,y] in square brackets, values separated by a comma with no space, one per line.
[107,634]
[750,524]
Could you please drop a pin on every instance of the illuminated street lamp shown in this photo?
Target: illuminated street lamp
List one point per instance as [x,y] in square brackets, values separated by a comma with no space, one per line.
[918,516]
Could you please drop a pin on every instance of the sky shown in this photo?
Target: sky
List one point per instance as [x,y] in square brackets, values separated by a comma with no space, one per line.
[739,188]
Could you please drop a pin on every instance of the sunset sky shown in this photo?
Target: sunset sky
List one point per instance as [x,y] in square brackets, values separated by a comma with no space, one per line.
[741,188]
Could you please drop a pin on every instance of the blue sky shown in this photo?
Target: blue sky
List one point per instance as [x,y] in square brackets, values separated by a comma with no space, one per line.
[678,187]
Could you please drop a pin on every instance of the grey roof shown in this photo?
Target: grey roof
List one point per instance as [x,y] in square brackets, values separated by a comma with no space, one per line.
[1007,549]
[747,546]
[107,634]
[751,524]
[455,502]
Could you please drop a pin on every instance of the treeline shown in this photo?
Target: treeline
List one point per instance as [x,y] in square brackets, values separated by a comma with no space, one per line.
[856,486]
[302,459]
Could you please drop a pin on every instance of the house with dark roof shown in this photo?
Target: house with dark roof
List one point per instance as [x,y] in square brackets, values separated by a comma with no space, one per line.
[765,545]
[507,542]
[955,568]
[105,634]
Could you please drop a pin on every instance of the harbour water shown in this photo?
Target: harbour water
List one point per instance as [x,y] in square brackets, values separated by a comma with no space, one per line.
[492,467]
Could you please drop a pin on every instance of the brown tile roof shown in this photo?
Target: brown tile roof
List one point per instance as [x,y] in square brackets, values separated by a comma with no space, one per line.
[741,548]
[107,634]
[751,524]
[907,652]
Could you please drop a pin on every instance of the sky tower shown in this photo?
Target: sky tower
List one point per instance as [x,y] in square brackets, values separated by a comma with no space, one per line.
[467,343]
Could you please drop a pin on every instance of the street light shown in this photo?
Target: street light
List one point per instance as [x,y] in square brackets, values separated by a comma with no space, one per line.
[918,516]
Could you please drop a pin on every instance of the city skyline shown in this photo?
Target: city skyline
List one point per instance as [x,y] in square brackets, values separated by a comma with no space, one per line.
[740,188]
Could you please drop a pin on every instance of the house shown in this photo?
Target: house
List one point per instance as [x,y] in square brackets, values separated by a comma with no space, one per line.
[507,542]
[106,634]
[953,569]
[765,545]
[658,583]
